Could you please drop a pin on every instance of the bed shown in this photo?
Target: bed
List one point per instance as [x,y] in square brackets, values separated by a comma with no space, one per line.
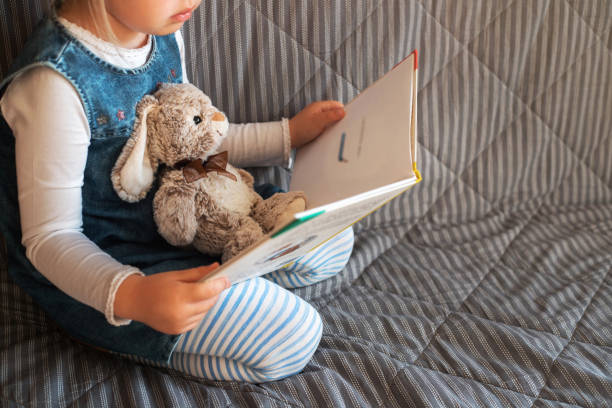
[486,285]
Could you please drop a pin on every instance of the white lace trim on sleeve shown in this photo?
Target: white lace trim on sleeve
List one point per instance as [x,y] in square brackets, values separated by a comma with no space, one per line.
[287,162]
[109,311]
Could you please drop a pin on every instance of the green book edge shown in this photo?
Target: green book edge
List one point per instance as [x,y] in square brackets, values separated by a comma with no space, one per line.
[297,222]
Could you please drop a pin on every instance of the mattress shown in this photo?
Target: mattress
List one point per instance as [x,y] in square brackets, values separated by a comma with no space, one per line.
[486,285]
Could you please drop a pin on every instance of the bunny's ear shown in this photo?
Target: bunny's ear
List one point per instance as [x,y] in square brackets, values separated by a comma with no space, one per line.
[134,171]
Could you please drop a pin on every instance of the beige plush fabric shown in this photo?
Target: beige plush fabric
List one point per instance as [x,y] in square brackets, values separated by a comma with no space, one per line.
[216,214]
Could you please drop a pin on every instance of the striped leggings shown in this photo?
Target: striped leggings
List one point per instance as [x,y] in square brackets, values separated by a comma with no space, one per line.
[258,331]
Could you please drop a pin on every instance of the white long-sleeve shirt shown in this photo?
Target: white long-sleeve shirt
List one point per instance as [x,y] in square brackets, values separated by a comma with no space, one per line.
[51,143]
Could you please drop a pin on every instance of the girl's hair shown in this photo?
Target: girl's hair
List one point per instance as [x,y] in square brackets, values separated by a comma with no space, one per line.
[98,8]
[98,15]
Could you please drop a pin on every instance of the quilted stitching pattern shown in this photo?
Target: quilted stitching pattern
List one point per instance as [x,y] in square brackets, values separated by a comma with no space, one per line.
[486,285]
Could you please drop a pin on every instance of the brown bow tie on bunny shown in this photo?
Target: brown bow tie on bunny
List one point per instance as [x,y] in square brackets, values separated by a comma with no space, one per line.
[215,213]
[196,169]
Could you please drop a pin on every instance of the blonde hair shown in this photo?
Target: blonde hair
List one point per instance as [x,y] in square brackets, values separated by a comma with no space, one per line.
[98,16]
[103,28]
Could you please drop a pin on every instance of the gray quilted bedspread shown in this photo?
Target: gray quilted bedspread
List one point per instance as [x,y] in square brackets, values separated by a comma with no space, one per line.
[486,285]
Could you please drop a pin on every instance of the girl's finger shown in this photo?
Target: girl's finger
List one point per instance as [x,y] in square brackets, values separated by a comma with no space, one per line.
[333,115]
[208,289]
[195,321]
[331,104]
[201,309]
[324,105]
[195,274]
[190,326]
[198,309]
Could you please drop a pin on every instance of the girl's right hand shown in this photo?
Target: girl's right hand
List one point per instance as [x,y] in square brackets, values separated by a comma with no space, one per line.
[171,302]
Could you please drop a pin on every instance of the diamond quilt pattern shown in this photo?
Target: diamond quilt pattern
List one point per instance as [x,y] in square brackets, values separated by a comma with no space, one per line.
[486,285]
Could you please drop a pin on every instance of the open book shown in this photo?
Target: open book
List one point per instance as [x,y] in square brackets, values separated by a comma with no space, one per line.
[356,166]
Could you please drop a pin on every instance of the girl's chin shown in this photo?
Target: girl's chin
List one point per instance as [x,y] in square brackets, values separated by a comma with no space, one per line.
[168,29]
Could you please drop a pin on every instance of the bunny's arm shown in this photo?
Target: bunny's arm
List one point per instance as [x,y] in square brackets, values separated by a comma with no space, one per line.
[174,209]
[246,177]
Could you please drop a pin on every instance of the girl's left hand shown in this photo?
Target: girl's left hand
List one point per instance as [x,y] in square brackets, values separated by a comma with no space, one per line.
[311,121]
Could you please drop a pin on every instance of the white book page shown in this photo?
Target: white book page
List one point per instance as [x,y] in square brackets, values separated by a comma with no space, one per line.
[376,163]
[370,148]
[285,246]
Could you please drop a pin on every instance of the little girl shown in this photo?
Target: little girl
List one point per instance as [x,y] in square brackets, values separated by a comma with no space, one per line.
[95,263]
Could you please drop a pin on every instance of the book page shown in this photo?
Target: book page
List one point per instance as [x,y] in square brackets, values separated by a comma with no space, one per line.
[369,148]
[290,243]
[351,170]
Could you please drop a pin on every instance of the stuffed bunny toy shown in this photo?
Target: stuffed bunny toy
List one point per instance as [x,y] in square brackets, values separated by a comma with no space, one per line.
[201,199]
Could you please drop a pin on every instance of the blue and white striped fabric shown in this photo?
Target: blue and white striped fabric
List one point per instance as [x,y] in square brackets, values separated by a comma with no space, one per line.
[486,285]
[258,331]
[317,265]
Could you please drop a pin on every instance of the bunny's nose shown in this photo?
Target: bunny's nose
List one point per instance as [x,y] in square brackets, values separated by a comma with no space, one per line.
[218,117]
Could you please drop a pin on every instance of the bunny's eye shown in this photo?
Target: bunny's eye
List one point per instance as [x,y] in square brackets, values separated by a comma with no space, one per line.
[197,119]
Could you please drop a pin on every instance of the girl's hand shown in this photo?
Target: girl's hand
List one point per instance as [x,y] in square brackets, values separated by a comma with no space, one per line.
[311,121]
[171,302]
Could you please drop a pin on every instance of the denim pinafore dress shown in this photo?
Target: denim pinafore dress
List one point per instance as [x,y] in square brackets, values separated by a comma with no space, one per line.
[124,230]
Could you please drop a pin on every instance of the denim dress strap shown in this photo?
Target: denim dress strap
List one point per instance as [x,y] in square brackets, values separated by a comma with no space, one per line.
[124,230]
